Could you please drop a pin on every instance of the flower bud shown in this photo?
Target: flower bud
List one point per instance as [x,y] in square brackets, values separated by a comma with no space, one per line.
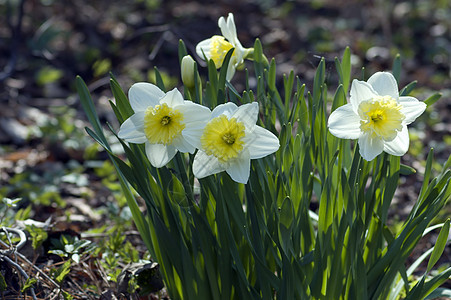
[188,71]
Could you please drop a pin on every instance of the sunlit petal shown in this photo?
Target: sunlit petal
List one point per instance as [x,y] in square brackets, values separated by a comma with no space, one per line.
[172,98]
[159,155]
[411,108]
[370,147]
[384,84]
[226,109]
[360,91]
[205,165]
[143,94]
[132,129]
[182,145]
[263,143]
[400,144]
[344,123]
[203,49]
[239,169]
[194,114]
[248,114]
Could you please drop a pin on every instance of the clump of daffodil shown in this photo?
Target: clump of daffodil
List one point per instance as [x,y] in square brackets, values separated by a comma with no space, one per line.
[187,71]
[377,116]
[164,122]
[217,46]
[230,140]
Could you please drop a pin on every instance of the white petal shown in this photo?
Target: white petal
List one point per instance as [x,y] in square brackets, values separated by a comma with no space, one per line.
[239,169]
[231,69]
[248,114]
[143,94]
[132,130]
[173,98]
[370,147]
[195,117]
[411,108]
[263,144]
[159,155]
[400,144]
[360,91]
[203,49]
[205,165]
[384,84]
[181,144]
[344,123]
[194,114]
[224,109]
[228,28]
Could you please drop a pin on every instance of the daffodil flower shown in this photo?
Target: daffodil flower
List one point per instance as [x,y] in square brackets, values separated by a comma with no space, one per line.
[165,122]
[377,116]
[216,47]
[230,140]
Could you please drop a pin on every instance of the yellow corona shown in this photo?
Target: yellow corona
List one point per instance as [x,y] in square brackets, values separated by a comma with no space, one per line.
[381,117]
[162,124]
[223,138]
[219,48]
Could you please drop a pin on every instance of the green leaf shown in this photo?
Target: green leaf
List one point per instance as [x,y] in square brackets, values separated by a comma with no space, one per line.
[28,284]
[182,51]
[432,99]
[397,67]
[159,80]
[440,244]
[3,284]
[408,88]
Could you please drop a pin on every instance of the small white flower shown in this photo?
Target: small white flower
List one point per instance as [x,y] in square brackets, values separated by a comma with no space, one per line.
[230,140]
[216,47]
[165,122]
[377,116]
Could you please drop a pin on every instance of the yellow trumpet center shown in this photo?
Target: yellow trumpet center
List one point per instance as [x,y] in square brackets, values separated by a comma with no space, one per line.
[381,117]
[219,48]
[162,124]
[223,138]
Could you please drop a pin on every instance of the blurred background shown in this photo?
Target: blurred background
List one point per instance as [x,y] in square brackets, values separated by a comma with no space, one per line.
[47,159]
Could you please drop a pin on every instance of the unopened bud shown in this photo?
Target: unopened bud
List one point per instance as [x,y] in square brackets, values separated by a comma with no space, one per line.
[188,71]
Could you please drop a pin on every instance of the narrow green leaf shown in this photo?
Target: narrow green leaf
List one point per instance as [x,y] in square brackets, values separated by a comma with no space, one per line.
[397,67]
[159,80]
[182,51]
[440,244]
[432,99]
[408,88]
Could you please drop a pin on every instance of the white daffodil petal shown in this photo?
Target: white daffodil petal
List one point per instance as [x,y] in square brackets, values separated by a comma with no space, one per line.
[384,84]
[143,94]
[264,143]
[224,109]
[360,91]
[159,155]
[231,69]
[344,123]
[370,147]
[203,49]
[239,170]
[132,130]
[248,114]
[205,165]
[194,113]
[182,145]
[411,108]
[400,144]
[228,28]
[173,98]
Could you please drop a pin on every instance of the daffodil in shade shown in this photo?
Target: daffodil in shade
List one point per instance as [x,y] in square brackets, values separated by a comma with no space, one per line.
[377,116]
[217,46]
[230,140]
[164,122]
